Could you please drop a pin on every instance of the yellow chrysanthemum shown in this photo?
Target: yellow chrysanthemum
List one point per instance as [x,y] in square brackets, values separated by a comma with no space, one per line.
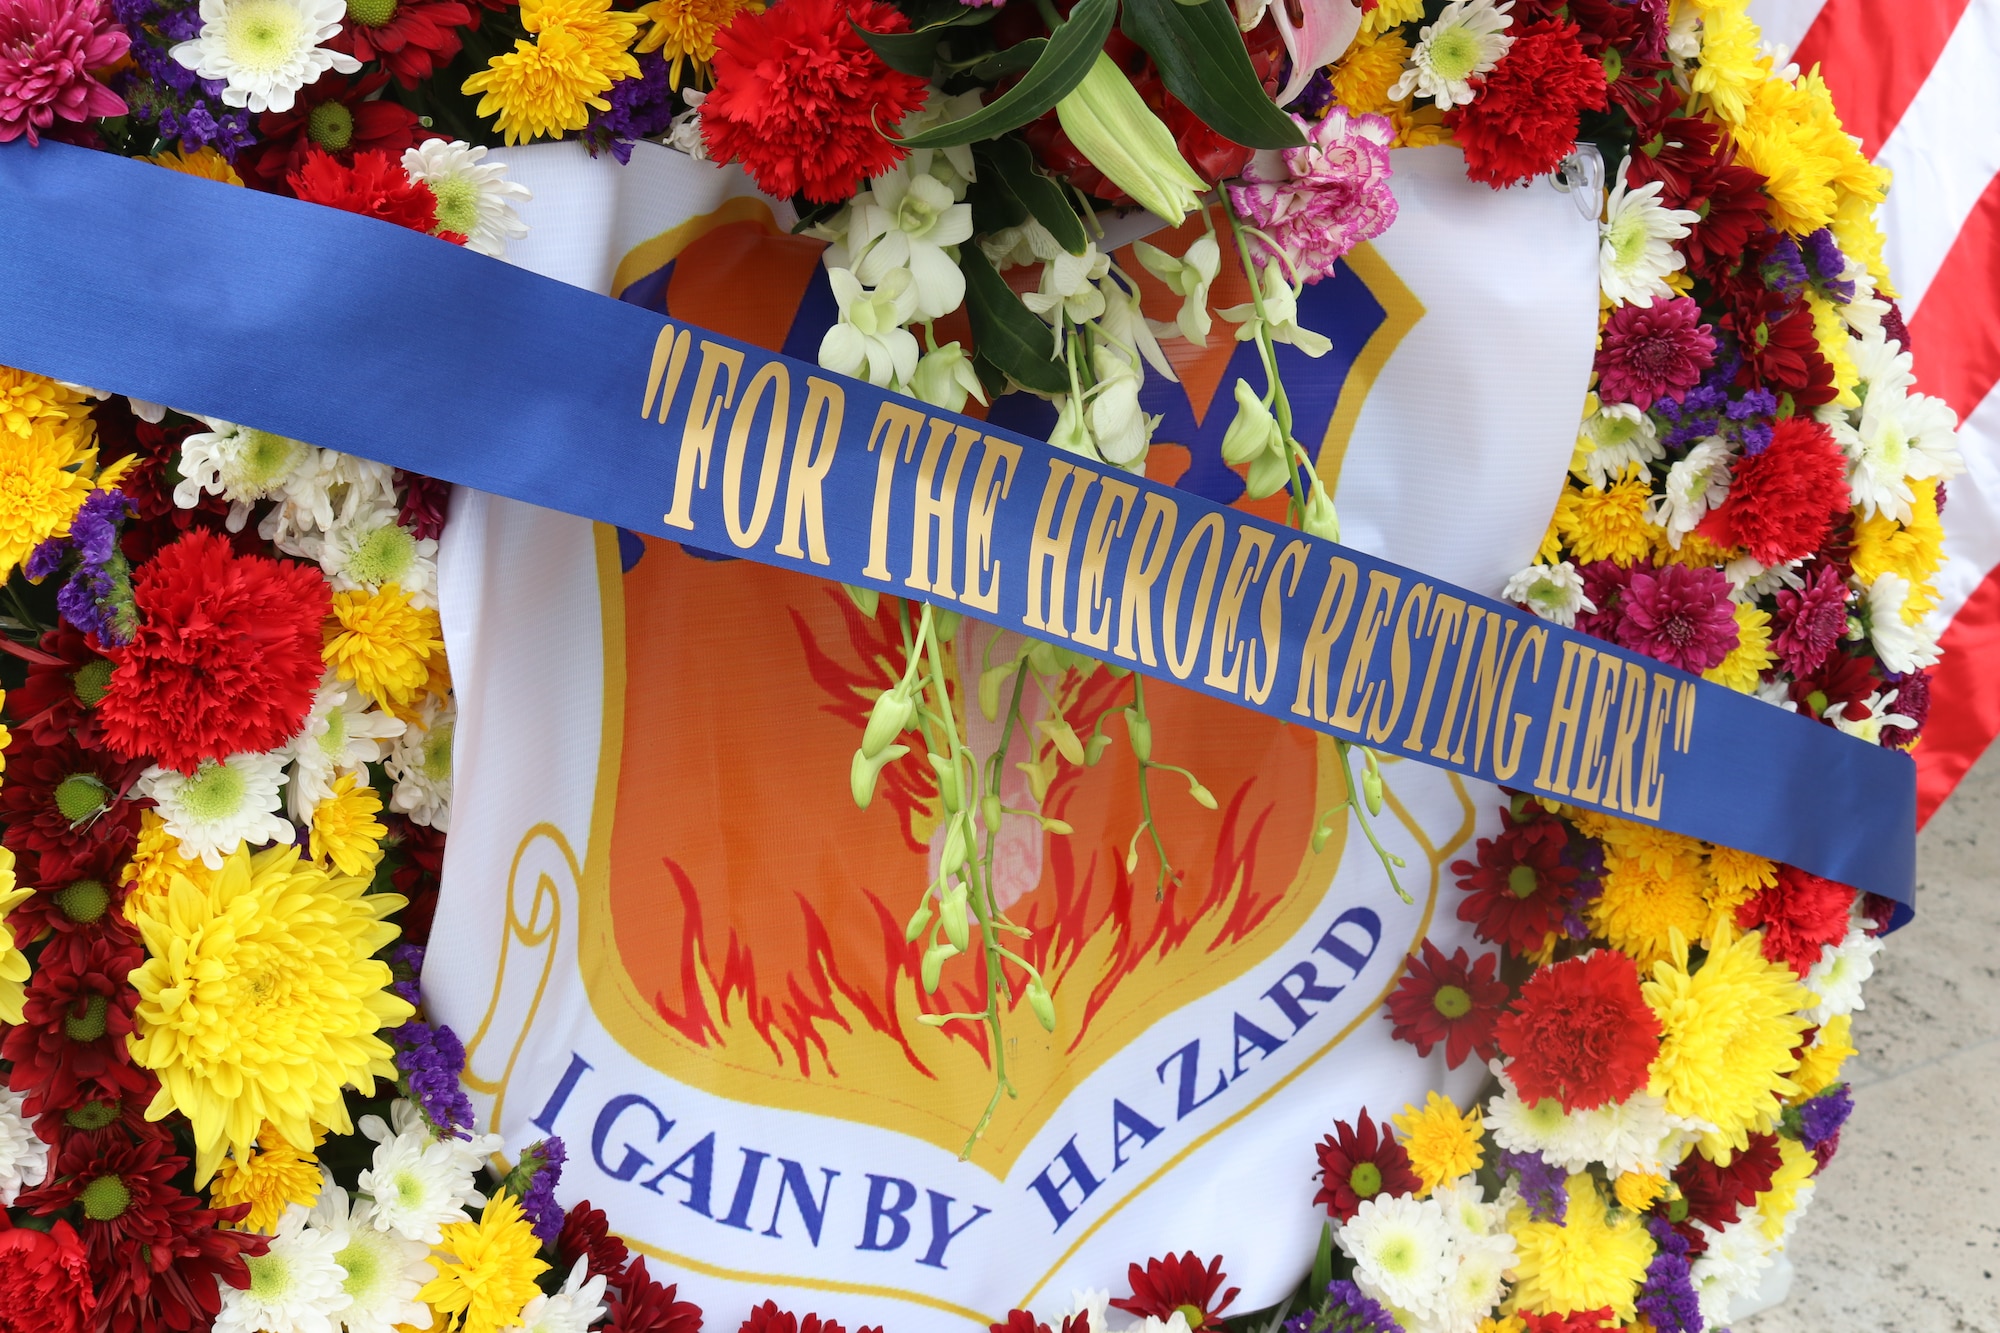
[1830,332]
[270,1180]
[1731,1026]
[383,644]
[552,84]
[260,999]
[1609,523]
[45,469]
[345,831]
[1861,239]
[1551,549]
[1914,549]
[1751,656]
[486,1270]
[1362,78]
[1732,63]
[1792,136]
[1638,1190]
[203,162]
[1695,551]
[1819,1067]
[1443,1145]
[683,32]
[13,963]
[1591,1260]
[27,398]
[1390,14]
[155,862]
[1734,879]
[1422,128]
[1639,911]
[1796,1166]
[1504,1324]
[1661,851]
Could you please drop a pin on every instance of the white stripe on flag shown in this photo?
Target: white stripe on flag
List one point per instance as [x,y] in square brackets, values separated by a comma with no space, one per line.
[1972,509]
[1785,21]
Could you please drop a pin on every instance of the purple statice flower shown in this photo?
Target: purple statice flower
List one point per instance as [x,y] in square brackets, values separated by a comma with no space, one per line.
[431,1059]
[1587,856]
[1544,1185]
[1346,1309]
[1668,1299]
[1679,615]
[1820,1119]
[1784,269]
[538,1196]
[97,597]
[1823,258]
[640,108]
[1318,201]
[406,964]
[1750,420]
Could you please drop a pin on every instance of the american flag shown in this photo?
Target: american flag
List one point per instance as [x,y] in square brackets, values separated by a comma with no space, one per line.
[1914,80]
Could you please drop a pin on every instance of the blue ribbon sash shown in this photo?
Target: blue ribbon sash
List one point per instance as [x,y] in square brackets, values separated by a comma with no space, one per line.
[370,339]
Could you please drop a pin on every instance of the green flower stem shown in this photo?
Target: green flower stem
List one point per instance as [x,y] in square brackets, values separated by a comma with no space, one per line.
[1146,824]
[1389,860]
[1274,394]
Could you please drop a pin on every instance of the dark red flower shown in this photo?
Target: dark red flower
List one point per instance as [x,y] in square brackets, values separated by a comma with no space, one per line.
[426,501]
[156,1255]
[1524,121]
[410,37]
[81,905]
[226,658]
[587,1233]
[1450,1000]
[1650,353]
[1178,1282]
[1581,1032]
[374,185]
[44,1280]
[1718,1194]
[63,811]
[1799,915]
[66,679]
[1022,1321]
[99,1123]
[1358,1162]
[1913,700]
[1519,892]
[1783,500]
[1604,584]
[1780,350]
[335,114]
[1680,615]
[1809,621]
[768,1318]
[803,103]
[641,1305]
[1842,681]
[69,1047]
[1698,172]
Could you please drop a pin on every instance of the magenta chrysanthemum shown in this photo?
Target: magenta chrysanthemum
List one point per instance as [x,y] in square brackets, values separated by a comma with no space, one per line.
[1810,621]
[1321,200]
[1680,615]
[48,49]
[1650,353]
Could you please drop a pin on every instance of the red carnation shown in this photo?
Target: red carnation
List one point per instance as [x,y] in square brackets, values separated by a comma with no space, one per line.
[768,1318]
[587,1233]
[641,1305]
[1581,1033]
[69,1047]
[1524,120]
[63,812]
[44,1280]
[226,658]
[1519,893]
[799,97]
[409,37]
[335,114]
[374,185]
[1572,1321]
[1451,1000]
[1799,915]
[1178,1282]
[66,679]
[1717,1195]
[1358,1162]
[1783,500]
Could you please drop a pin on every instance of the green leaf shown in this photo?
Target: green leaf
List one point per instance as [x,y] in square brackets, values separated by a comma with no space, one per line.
[1072,49]
[1322,1270]
[915,52]
[1007,333]
[1202,61]
[1011,166]
[994,206]
[1019,56]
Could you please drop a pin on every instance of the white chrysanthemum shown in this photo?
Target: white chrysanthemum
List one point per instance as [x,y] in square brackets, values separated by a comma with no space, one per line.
[1732,1266]
[474,196]
[1837,978]
[1478,1266]
[237,463]
[1636,252]
[1400,1247]
[371,548]
[1900,438]
[904,220]
[572,1310]
[1539,1127]
[418,1182]
[1466,41]
[1696,484]
[869,341]
[1868,718]
[220,804]
[24,1157]
[1902,646]
[1613,438]
[1754,580]
[1865,310]
[1093,1304]
[326,492]
[264,51]
[382,1271]
[1636,1134]
[295,1287]
[1553,592]
[1884,366]
[342,734]
[420,762]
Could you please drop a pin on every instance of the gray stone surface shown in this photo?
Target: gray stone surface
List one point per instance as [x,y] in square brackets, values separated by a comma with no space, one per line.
[1904,1233]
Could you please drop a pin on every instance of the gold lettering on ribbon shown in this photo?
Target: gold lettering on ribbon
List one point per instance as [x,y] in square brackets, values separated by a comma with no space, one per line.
[1336,600]
[1050,548]
[777,380]
[1271,617]
[1209,532]
[1107,524]
[1446,613]
[1565,716]
[698,434]
[1227,652]
[997,460]
[812,458]
[894,433]
[1144,564]
[938,503]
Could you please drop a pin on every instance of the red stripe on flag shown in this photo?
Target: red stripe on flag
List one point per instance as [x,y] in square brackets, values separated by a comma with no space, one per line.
[1965,688]
[1875,56]
[1955,334]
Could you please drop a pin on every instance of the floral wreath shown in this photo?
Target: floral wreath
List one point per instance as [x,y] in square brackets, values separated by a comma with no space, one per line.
[227,782]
